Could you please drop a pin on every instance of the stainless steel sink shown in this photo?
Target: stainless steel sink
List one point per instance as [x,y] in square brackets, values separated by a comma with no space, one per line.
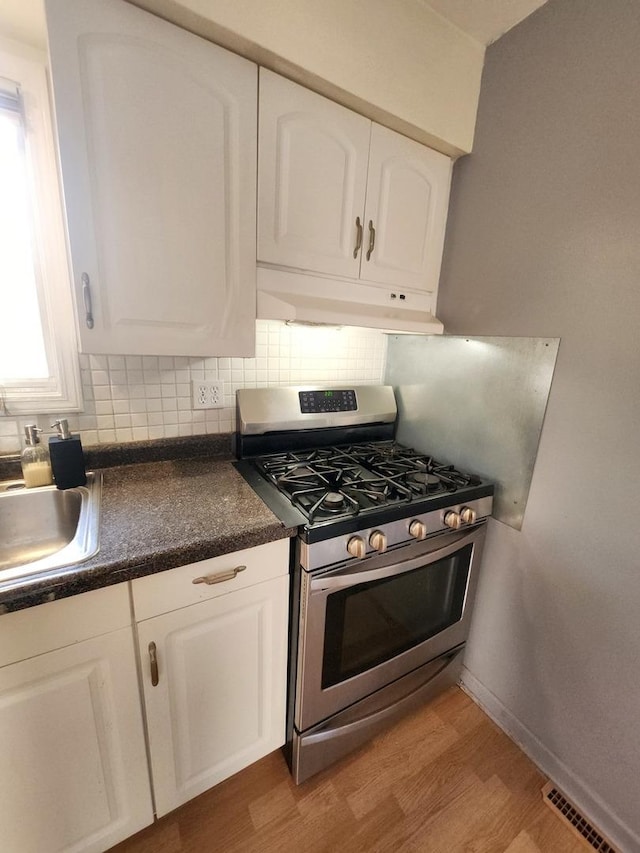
[46,528]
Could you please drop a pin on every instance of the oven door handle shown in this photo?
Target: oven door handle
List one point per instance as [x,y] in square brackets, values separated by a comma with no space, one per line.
[341,578]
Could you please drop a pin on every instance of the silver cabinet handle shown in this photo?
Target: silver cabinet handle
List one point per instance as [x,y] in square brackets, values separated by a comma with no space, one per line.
[153,664]
[86,297]
[358,237]
[220,577]
[372,239]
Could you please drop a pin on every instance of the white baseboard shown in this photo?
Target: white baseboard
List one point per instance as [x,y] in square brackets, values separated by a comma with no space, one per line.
[586,800]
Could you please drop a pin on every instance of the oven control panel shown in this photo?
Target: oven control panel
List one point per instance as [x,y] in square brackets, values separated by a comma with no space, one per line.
[317,402]
[394,535]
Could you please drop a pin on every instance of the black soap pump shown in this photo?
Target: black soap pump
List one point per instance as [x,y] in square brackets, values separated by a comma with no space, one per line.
[67,460]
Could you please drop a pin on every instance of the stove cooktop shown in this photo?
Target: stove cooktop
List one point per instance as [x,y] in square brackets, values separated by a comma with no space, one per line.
[339,488]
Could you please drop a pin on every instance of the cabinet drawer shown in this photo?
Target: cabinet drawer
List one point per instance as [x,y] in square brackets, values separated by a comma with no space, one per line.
[175,588]
[40,629]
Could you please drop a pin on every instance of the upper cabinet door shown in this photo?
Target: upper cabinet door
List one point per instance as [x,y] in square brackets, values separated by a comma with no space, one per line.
[406,212]
[158,137]
[311,179]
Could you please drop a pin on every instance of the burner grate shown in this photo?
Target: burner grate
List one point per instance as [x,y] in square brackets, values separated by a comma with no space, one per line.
[346,480]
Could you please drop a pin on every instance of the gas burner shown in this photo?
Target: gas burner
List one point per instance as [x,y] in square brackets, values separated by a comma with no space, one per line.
[295,478]
[320,504]
[430,481]
[333,501]
[298,458]
[381,492]
[330,473]
[372,453]
[341,468]
[302,471]
[388,452]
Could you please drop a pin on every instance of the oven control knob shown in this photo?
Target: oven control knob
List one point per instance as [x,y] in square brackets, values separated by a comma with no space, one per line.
[378,541]
[468,515]
[452,519]
[356,547]
[418,529]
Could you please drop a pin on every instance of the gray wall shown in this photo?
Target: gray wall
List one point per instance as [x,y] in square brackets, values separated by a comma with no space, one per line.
[544,240]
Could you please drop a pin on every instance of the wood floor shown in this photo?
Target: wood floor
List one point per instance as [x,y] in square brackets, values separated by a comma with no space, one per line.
[443,780]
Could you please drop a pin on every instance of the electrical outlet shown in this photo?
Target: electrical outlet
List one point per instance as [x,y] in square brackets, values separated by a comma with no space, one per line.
[207,395]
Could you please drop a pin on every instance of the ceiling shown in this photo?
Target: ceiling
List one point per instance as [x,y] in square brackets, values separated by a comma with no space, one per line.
[485,20]
[23,20]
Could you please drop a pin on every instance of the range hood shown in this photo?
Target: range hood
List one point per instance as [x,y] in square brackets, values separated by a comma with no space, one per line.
[300,297]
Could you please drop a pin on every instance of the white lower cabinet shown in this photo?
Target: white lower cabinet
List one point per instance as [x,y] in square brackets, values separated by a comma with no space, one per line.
[74,773]
[214,672]
[74,768]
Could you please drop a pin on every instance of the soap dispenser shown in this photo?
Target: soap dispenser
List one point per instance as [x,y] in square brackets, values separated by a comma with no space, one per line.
[67,459]
[35,461]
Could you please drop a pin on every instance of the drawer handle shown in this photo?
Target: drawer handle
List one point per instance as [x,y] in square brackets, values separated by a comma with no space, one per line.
[153,664]
[220,577]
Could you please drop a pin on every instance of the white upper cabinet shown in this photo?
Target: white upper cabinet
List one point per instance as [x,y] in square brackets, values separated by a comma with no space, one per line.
[406,211]
[157,131]
[341,196]
[312,179]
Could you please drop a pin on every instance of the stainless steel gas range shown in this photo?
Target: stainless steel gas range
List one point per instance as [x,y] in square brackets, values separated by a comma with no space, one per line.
[385,564]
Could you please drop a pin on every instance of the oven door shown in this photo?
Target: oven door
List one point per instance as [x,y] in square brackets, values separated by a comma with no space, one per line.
[364,625]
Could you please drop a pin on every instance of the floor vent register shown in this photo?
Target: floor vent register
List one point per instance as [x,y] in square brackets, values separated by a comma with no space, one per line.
[571,816]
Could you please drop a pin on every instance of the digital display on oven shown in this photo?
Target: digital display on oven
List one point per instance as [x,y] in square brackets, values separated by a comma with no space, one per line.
[316,402]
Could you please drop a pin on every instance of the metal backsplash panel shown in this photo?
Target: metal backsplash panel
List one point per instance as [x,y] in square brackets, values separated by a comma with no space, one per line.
[477,403]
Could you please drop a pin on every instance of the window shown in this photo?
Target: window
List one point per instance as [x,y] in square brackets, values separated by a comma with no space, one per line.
[38,360]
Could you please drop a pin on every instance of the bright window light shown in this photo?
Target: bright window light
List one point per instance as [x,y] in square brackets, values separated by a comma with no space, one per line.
[22,349]
[39,369]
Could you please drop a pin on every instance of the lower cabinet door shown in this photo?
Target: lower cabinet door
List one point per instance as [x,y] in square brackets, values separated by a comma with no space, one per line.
[214,677]
[74,770]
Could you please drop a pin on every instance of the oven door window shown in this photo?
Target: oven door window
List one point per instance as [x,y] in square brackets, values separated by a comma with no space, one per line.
[370,623]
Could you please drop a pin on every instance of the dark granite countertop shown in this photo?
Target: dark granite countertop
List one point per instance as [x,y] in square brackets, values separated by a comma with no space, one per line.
[156,516]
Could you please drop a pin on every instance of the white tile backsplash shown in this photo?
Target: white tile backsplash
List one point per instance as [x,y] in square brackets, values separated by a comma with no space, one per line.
[130,398]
